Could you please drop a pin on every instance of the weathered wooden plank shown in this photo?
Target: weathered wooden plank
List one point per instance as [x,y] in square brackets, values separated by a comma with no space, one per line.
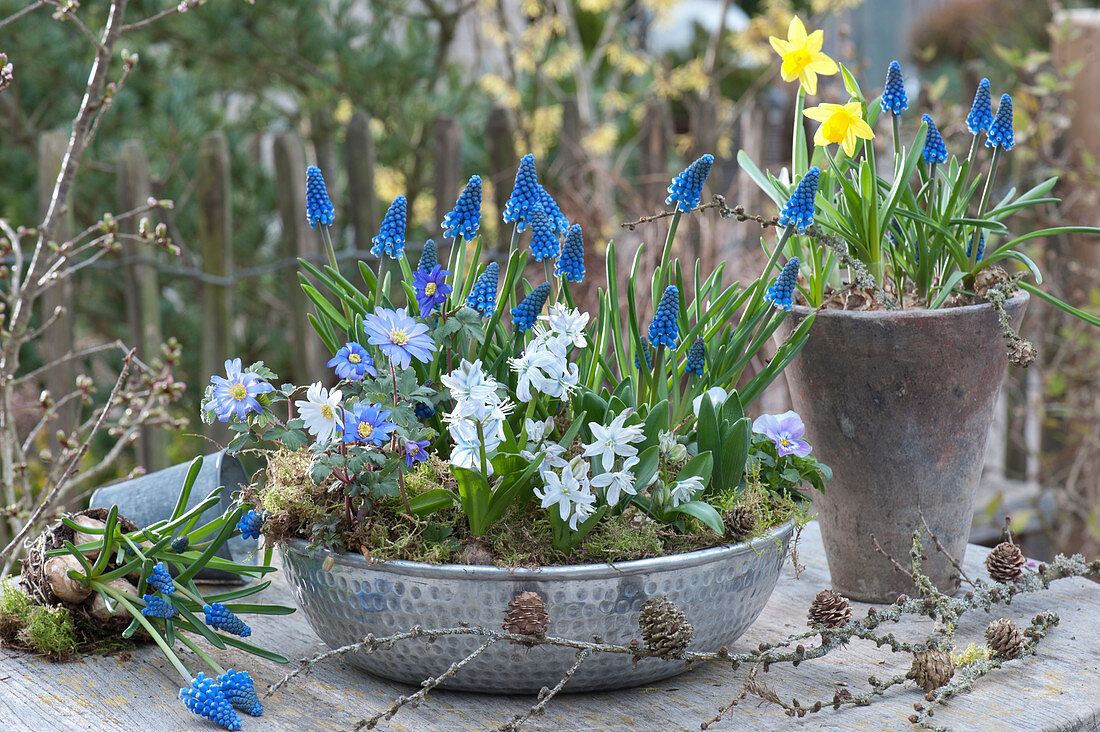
[1054,690]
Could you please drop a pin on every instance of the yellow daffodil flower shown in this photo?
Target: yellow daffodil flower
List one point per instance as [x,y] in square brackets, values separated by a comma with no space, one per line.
[841,124]
[802,57]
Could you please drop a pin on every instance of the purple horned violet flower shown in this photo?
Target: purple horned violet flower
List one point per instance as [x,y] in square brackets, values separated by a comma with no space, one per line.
[785,431]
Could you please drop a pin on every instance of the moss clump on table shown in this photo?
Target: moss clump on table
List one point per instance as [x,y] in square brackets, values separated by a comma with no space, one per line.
[297,508]
[25,624]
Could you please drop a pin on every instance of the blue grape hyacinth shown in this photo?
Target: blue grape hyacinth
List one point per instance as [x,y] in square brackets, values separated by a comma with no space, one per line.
[645,352]
[893,94]
[465,218]
[527,312]
[483,296]
[664,329]
[390,239]
[240,691]
[550,206]
[571,264]
[1000,129]
[157,607]
[251,524]
[218,616]
[781,292]
[179,544]
[526,193]
[205,698]
[319,208]
[981,110]
[696,358]
[799,210]
[429,258]
[981,245]
[423,411]
[544,236]
[160,579]
[687,188]
[934,150]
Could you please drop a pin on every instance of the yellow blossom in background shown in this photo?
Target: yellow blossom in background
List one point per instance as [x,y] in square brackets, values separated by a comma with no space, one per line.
[601,141]
[497,87]
[544,126]
[595,6]
[802,57]
[841,124]
[343,112]
[389,183]
[626,61]
[562,62]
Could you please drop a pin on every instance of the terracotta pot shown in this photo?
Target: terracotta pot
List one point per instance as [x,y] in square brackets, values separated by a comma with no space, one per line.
[899,405]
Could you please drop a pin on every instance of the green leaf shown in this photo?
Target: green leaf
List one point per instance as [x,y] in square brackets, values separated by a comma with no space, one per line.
[647,466]
[699,466]
[474,492]
[702,511]
[430,501]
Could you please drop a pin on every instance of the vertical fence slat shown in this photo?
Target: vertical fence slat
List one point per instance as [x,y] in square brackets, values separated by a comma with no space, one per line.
[502,163]
[58,340]
[142,287]
[298,240]
[362,199]
[215,238]
[448,166]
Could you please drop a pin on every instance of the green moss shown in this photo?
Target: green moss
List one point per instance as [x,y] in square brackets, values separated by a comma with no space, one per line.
[47,630]
[15,608]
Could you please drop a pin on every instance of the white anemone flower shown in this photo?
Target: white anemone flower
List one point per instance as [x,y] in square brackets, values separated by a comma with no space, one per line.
[685,490]
[321,412]
[614,439]
[617,482]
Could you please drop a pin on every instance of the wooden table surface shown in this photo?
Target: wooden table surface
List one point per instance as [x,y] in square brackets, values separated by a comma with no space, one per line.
[1057,690]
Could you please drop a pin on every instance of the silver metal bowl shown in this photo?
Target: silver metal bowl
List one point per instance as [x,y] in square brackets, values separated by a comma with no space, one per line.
[721,590]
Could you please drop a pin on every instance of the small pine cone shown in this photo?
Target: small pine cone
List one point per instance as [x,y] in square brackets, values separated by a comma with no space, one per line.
[526,615]
[830,609]
[932,668]
[990,277]
[665,629]
[740,522]
[1005,563]
[1004,638]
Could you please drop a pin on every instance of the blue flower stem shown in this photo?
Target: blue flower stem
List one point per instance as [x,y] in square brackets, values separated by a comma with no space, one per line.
[326,238]
[381,278]
[663,275]
[481,449]
[548,268]
[658,374]
[201,654]
[393,446]
[458,266]
[406,270]
[765,276]
[896,120]
[984,199]
[799,161]
[514,293]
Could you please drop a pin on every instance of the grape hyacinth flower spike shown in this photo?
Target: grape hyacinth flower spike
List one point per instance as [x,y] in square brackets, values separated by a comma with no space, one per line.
[483,296]
[429,257]
[571,264]
[206,699]
[218,616]
[980,236]
[319,208]
[781,292]
[544,237]
[686,188]
[981,110]
[1000,129]
[157,607]
[527,312]
[893,94]
[696,357]
[526,194]
[934,150]
[465,218]
[251,524]
[390,240]
[240,691]
[664,329]
[799,209]
[550,206]
[646,353]
[161,580]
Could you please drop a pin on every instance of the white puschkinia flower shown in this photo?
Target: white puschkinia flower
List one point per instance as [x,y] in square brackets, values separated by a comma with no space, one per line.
[469,381]
[477,403]
[552,458]
[466,452]
[567,324]
[615,439]
[670,448]
[685,490]
[537,431]
[573,497]
[321,412]
[535,369]
[617,482]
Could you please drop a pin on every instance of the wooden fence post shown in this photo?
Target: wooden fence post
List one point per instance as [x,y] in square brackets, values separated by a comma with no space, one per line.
[142,287]
[448,167]
[58,341]
[298,240]
[212,194]
[502,164]
[362,199]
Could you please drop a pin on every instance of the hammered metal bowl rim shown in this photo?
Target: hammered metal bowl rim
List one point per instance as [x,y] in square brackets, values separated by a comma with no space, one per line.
[915,314]
[603,570]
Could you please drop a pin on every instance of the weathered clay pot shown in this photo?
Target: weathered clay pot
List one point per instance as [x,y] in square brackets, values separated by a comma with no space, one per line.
[899,405]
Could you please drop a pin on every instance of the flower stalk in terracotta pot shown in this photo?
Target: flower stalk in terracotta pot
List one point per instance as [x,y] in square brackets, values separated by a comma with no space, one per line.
[918,281]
